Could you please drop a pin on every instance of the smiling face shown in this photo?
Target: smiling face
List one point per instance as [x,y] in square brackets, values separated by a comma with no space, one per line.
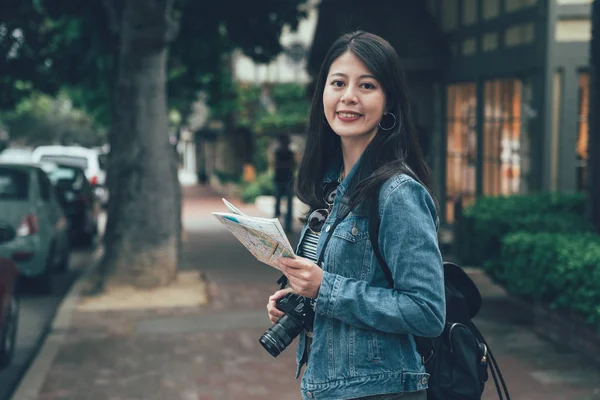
[353,100]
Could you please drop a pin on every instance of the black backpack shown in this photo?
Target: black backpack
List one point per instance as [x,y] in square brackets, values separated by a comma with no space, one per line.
[458,360]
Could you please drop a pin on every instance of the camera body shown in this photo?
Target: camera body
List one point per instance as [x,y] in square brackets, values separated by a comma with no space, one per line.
[299,315]
[298,307]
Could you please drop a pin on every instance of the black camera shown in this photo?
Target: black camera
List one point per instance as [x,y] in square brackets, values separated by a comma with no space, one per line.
[299,314]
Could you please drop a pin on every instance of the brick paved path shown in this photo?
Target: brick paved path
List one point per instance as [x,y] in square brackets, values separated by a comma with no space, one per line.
[212,353]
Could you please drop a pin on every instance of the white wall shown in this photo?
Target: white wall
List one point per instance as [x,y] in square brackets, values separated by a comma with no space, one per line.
[281,69]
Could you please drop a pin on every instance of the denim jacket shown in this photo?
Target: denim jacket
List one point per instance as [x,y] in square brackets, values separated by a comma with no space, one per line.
[363,330]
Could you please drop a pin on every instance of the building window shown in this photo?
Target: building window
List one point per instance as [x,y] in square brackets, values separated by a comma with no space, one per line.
[490,41]
[502,137]
[461,149]
[573,1]
[469,46]
[582,134]
[515,5]
[573,30]
[557,88]
[491,9]
[469,12]
[518,35]
[449,15]
[528,114]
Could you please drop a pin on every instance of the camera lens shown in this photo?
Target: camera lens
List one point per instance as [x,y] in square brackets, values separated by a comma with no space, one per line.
[280,335]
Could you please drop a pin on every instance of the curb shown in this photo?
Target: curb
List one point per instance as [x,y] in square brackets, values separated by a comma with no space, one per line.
[31,383]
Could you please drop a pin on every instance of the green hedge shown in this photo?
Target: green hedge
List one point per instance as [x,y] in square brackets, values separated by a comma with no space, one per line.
[561,270]
[226,177]
[262,186]
[478,234]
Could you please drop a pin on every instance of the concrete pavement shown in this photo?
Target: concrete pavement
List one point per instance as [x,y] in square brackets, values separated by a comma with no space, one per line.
[212,352]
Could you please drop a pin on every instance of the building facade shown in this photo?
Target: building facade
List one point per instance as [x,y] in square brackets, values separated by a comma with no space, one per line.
[500,86]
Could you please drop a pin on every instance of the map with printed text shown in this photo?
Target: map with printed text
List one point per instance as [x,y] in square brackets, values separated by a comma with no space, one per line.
[263,237]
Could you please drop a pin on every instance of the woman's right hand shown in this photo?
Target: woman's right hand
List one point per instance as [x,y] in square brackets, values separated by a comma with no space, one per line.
[272,310]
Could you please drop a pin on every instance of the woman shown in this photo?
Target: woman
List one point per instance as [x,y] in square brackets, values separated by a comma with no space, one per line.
[361,135]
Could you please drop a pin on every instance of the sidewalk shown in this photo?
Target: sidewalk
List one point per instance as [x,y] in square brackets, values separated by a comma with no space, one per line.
[211,352]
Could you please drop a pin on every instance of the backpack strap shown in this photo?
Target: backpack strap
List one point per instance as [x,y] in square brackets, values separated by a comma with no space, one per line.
[424,344]
[374,223]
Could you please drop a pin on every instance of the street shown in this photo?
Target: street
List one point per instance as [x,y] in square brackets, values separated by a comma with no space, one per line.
[36,316]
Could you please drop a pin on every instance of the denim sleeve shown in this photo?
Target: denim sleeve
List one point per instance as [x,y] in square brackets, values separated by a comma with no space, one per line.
[408,242]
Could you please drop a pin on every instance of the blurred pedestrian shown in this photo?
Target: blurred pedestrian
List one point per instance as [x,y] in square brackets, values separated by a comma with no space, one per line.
[362,150]
[285,166]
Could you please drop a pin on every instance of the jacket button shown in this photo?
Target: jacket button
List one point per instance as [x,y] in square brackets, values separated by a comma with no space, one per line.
[354,231]
[424,380]
[309,394]
[327,228]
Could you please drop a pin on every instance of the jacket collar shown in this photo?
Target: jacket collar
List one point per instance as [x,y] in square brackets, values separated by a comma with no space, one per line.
[334,168]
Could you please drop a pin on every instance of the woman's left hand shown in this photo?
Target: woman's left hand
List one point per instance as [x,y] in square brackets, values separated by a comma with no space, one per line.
[304,276]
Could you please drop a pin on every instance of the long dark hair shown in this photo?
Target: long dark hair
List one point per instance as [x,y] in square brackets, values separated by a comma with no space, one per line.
[390,152]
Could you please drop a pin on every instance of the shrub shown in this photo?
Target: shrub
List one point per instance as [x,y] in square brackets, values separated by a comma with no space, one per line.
[483,225]
[561,270]
[226,177]
[262,186]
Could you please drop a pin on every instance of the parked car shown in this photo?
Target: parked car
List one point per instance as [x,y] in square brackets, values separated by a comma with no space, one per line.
[87,159]
[77,198]
[9,300]
[28,203]
[16,154]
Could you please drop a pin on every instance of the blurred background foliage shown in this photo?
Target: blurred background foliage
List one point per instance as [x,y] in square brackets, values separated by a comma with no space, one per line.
[40,40]
[42,119]
[288,114]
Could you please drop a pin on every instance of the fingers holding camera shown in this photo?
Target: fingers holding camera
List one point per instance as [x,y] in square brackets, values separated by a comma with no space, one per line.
[272,310]
[304,276]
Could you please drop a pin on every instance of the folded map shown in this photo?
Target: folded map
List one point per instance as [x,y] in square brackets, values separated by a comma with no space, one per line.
[263,237]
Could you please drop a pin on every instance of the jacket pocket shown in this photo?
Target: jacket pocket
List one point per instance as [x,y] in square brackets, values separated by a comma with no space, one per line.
[366,352]
[350,249]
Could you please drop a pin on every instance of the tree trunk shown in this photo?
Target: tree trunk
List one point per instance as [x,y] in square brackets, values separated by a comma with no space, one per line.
[143,226]
[594,119]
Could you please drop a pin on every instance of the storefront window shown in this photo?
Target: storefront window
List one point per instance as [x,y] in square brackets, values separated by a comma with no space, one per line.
[582,135]
[469,12]
[502,137]
[461,147]
[515,5]
[491,9]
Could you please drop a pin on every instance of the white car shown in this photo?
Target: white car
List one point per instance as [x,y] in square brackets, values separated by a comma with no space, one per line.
[87,159]
[28,203]
[16,154]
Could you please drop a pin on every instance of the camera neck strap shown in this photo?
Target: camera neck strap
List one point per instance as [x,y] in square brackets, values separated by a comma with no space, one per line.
[343,211]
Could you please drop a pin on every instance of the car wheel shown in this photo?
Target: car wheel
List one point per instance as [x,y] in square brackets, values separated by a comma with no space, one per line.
[9,334]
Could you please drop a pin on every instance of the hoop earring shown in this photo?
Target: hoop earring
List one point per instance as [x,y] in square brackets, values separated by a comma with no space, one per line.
[391,127]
